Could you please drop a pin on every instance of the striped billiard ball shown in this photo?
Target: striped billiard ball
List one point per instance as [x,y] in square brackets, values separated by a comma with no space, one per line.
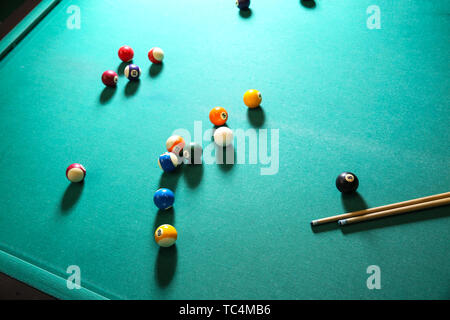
[132,72]
[168,161]
[126,54]
[75,172]
[166,235]
[156,55]
[110,78]
[164,198]
[175,144]
[243,4]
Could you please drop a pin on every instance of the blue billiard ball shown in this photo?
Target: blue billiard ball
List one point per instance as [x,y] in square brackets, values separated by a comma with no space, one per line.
[243,4]
[168,161]
[132,72]
[164,198]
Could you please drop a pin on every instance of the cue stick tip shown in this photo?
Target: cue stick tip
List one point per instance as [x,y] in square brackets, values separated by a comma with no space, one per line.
[342,222]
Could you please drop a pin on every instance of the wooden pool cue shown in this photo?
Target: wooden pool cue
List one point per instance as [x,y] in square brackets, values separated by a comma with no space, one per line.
[381,208]
[391,212]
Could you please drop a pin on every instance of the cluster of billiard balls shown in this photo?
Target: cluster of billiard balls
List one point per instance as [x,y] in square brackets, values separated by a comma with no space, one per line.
[178,152]
[223,136]
[166,234]
[132,72]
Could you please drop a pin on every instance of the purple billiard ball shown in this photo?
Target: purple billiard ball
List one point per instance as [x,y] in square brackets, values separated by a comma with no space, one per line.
[132,72]
[243,4]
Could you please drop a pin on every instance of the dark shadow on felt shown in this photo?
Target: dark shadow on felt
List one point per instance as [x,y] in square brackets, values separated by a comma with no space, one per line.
[169,180]
[325,227]
[132,87]
[225,157]
[215,128]
[155,69]
[166,264]
[245,13]
[310,4]
[107,94]
[164,217]
[256,116]
[352,202]
[411,217]
[122,66]
[193,174]
[71,196]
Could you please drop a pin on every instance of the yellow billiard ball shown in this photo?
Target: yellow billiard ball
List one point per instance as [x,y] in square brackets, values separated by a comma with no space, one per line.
[252,98]
[165,235]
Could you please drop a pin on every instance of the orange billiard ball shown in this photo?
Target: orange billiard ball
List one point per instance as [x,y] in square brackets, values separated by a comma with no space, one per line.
[166,235]
[252,98]
[218,116]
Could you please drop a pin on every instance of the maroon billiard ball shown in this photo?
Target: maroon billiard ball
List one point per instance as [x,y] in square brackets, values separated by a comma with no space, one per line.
[75,172]
[126,54]
[110,78]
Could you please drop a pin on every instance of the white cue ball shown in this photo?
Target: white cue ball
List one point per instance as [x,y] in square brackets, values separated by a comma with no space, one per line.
[223,136]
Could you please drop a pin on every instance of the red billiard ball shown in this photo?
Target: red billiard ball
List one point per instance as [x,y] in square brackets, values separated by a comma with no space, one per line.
[156,55]
[110,78]
[126,54]
[75,172]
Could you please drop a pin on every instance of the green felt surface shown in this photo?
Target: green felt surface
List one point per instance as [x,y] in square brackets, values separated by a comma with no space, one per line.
[343,97]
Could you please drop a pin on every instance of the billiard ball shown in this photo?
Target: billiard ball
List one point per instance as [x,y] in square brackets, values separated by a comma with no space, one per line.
[223,136]
[132,72]
[109,78]
[347,182]
[218,116]
[168,161]
[164,198]
[243,4]
[193,153]
[156,55]
[126,54]
[75,172]
[175,144]
[252,98]
[166,235]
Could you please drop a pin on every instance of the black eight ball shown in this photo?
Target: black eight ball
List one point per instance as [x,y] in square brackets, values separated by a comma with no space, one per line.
[347,182]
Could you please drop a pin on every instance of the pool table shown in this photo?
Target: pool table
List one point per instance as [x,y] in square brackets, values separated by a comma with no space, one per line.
[355,85]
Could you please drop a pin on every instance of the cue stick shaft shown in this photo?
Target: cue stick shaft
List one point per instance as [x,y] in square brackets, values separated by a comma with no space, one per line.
[391,212]
[381,208]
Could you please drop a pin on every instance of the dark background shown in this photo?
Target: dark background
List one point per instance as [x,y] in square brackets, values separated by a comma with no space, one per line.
[12,12]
